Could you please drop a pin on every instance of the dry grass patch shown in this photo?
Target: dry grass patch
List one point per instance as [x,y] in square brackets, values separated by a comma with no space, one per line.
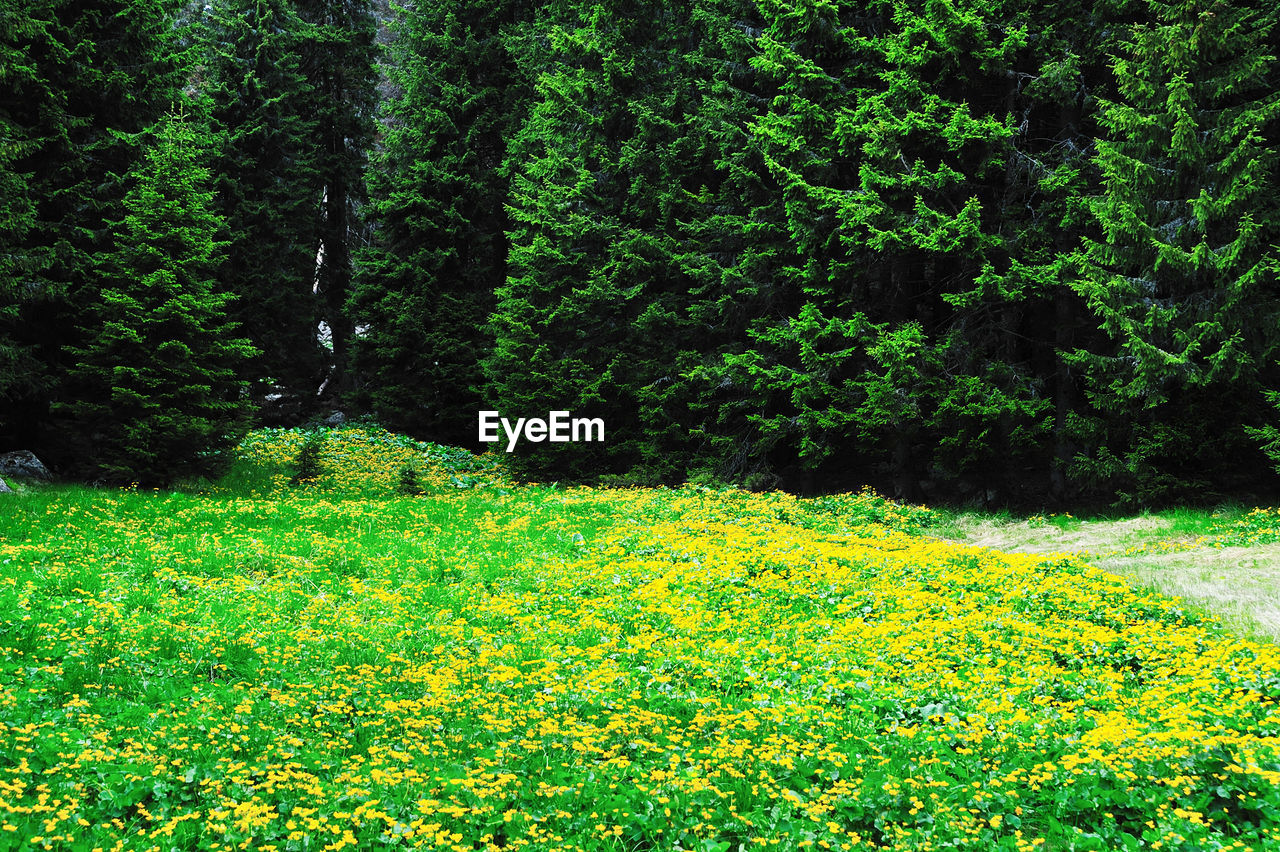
[1175,555]
[1030,536]
[1241,585]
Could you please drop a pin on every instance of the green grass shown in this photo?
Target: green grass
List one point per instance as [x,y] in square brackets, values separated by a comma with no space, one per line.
[1176,522]
[497,666]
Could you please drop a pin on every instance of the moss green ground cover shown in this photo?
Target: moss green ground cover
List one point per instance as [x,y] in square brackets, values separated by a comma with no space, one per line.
[495,666]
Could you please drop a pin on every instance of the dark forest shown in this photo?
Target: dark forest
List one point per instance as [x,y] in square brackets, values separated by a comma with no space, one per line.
[998,252]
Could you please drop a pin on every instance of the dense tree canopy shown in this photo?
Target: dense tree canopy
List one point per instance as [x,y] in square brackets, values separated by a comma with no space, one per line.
[78,83]
[1180,271]
[1000,251]
[437,190]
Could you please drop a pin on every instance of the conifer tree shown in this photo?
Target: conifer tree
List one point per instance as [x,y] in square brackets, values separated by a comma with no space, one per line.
[268,182]
[339,66]
[561,315]
[157,395]
[20,261]
[81,82]
[888,139]
[727,236]
[1182,273]
[609,299]
[438,186]
[1058,76]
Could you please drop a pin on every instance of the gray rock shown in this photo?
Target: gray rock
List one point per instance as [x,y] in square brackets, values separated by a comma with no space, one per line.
[4,489]
[335,419]
[23,464]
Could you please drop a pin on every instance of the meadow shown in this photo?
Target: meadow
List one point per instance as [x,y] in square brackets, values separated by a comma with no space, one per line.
[324,662]
[1223,560]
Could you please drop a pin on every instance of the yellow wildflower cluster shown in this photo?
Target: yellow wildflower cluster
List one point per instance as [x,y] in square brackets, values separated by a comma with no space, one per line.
[534,668]
[1259,526]
[363,460]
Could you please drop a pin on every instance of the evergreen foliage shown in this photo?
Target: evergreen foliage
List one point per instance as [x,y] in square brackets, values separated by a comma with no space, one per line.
[437,190]
[1056,79]
[409,484]
[19,260]
[338,64]
[1182,276]
[883,140]
[156,391]
[619,284]
[308,466]
[78,83]
[990,251]
[269,186]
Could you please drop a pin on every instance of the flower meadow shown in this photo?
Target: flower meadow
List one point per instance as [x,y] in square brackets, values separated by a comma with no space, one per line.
[489,665]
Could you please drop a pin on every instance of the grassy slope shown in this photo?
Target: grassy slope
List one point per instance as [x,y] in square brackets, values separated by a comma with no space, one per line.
[493,667]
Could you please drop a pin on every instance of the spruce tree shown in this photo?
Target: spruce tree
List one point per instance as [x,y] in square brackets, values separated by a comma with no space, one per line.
[157,394]
[437,187]
[609,299]
[20,261]
[1057,78]
[268,184]
[889,139]
[1181,275]
[561,315]
[80,83]
[727,237]
[339,65]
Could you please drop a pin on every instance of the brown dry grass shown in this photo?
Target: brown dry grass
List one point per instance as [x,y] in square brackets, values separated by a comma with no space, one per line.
[1093,536]
[1241,585]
